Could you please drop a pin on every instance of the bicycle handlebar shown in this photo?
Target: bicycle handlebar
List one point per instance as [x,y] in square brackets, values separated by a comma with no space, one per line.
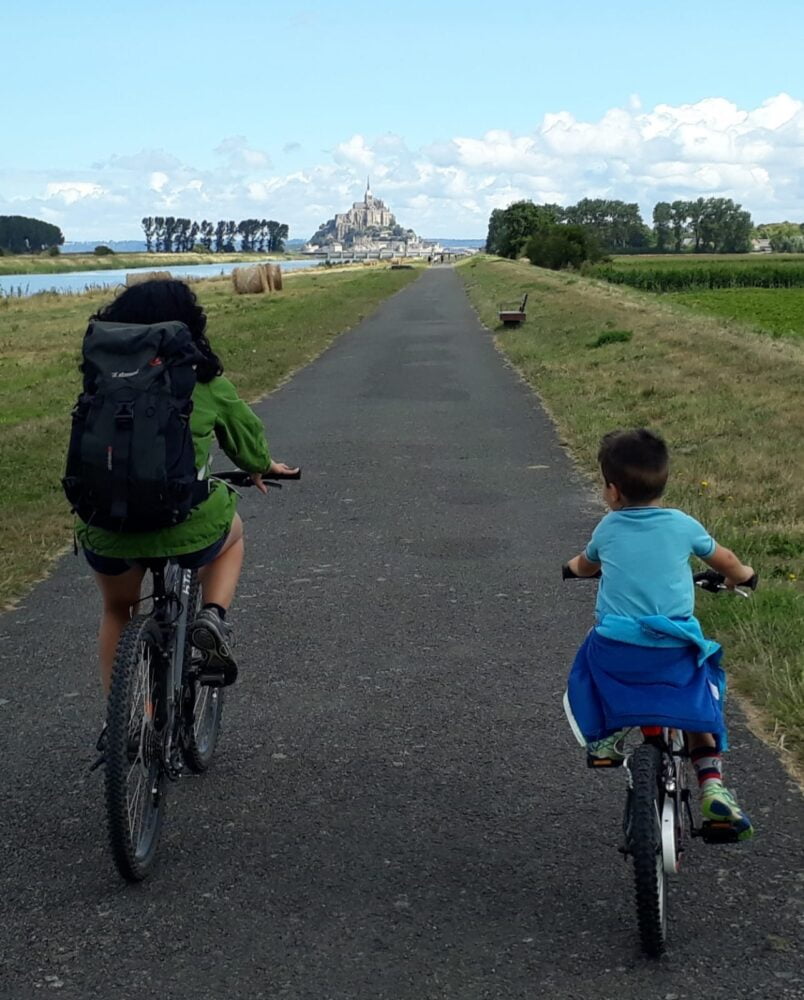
[709,580]
[715,582]
[239,478]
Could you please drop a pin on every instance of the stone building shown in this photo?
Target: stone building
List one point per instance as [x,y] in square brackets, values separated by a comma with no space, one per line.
[370,213]
[369,224]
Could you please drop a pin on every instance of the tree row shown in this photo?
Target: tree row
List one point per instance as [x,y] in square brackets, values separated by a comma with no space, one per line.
[172,235]
[706,225]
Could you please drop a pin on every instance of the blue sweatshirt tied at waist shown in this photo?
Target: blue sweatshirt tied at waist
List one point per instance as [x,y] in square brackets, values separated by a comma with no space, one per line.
[651,671]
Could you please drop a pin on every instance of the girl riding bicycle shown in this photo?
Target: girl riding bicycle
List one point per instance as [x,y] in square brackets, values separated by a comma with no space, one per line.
[646,661]
[210,538]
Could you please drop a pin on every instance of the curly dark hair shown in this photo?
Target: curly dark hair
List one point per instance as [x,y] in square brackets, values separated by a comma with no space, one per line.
[160,302]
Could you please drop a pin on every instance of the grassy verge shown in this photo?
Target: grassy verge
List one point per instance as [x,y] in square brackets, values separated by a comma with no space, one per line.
[727,399]
[26,264]
[261,339]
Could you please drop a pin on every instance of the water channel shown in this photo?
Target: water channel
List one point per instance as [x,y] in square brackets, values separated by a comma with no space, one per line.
[81,281]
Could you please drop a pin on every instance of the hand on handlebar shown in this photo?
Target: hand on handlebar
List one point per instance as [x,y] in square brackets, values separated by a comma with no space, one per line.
[748,579]
[276,470]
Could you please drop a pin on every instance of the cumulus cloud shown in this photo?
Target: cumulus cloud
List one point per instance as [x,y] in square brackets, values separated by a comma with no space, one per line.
[711,147]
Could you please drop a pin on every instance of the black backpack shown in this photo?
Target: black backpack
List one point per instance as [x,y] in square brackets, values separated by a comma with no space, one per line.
[130,462]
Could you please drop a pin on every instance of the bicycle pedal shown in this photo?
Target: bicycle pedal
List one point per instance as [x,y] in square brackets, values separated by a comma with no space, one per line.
[717,832]
[598,762]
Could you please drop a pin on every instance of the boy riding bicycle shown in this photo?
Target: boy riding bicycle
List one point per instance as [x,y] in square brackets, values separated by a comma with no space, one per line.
[646,660]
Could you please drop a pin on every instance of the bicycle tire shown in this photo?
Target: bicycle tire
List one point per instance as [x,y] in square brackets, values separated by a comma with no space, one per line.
[133,746]
[646,848]
[203,704]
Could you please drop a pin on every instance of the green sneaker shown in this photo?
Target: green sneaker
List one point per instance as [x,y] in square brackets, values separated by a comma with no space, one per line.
[609,748]
[719,806]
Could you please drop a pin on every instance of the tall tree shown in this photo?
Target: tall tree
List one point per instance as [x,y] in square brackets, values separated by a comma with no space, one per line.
[662,222]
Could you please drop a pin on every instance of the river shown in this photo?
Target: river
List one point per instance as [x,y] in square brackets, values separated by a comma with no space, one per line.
[81,281]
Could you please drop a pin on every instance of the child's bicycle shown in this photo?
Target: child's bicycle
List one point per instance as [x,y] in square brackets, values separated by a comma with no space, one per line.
[159,716]
[658,819]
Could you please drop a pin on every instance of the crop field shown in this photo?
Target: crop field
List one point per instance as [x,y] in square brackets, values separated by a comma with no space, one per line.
[778,311]
[680,274]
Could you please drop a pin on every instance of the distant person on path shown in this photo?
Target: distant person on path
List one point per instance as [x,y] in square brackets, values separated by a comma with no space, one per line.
[646,661]
[210,538]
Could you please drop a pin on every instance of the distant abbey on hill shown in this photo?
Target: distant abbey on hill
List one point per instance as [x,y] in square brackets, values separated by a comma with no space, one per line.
[368,225]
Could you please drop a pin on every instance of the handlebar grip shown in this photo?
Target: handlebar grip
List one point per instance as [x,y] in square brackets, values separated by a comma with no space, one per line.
[752,583]
[282,475]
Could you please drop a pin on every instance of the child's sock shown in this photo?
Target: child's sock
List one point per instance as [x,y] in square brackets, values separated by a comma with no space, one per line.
[707,764]
[221,611]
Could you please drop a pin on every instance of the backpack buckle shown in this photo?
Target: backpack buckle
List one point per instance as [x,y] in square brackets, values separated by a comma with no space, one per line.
[124,417]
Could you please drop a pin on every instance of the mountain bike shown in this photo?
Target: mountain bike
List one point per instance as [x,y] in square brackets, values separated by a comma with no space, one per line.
[160,717]
[658,821]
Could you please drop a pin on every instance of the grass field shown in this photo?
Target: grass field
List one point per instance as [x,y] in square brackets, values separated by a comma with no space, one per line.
[727,399]
[779,311]
[260,339]
[66,263]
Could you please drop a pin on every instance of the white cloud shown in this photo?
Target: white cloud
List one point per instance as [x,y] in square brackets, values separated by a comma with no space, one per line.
[712,147]
[72,191]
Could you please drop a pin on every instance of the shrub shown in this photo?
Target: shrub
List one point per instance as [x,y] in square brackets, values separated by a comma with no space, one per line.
[102,251]
[53,251]
[612,337]
[561,246]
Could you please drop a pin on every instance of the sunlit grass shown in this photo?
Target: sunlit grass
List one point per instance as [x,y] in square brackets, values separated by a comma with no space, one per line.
[261,339]
[727,399]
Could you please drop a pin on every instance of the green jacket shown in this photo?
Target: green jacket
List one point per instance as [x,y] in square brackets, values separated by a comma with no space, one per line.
[218,412]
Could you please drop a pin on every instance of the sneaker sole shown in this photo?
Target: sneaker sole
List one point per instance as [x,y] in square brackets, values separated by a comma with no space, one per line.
[719,812]
[217,653]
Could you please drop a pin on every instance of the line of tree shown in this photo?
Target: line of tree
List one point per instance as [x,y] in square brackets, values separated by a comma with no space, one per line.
[19,234]
[166,234]
[706,225]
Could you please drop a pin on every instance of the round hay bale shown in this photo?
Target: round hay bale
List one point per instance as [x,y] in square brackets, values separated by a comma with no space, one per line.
[276,275]
[249,280]
[138,277]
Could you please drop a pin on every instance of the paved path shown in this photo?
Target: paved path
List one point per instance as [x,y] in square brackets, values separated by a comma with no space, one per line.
[398,810]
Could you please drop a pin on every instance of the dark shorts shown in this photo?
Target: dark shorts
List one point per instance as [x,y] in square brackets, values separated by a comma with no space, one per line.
[109,566]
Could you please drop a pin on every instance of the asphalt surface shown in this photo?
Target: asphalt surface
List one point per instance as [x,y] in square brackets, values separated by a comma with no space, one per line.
[397,810]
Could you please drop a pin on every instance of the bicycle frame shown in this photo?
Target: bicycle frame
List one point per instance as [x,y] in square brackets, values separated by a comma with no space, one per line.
[171,593]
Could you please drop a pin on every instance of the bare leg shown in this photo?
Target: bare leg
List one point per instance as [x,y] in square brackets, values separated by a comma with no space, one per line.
[120,594]
[696,741]
[219,578]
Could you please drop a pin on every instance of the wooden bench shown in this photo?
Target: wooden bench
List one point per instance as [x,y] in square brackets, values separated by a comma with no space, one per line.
[512,314]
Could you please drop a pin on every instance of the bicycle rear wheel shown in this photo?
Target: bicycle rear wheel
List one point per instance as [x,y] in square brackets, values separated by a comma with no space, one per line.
[135,778]
[645,846]
[203,705]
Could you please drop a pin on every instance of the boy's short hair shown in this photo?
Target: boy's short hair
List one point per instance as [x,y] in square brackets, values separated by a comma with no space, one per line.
[636,462]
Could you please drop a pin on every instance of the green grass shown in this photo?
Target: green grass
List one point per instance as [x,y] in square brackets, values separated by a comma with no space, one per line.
[727,399]
[66,263]
[779,311]
[260,338]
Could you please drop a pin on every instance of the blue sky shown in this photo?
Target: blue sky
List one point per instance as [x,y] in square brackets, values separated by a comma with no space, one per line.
[279,110]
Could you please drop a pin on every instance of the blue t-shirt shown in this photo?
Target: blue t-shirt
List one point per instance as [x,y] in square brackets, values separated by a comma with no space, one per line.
[644,553]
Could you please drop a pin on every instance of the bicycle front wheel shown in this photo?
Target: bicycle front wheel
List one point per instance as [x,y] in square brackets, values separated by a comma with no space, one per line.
[135,778]
[645,845]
